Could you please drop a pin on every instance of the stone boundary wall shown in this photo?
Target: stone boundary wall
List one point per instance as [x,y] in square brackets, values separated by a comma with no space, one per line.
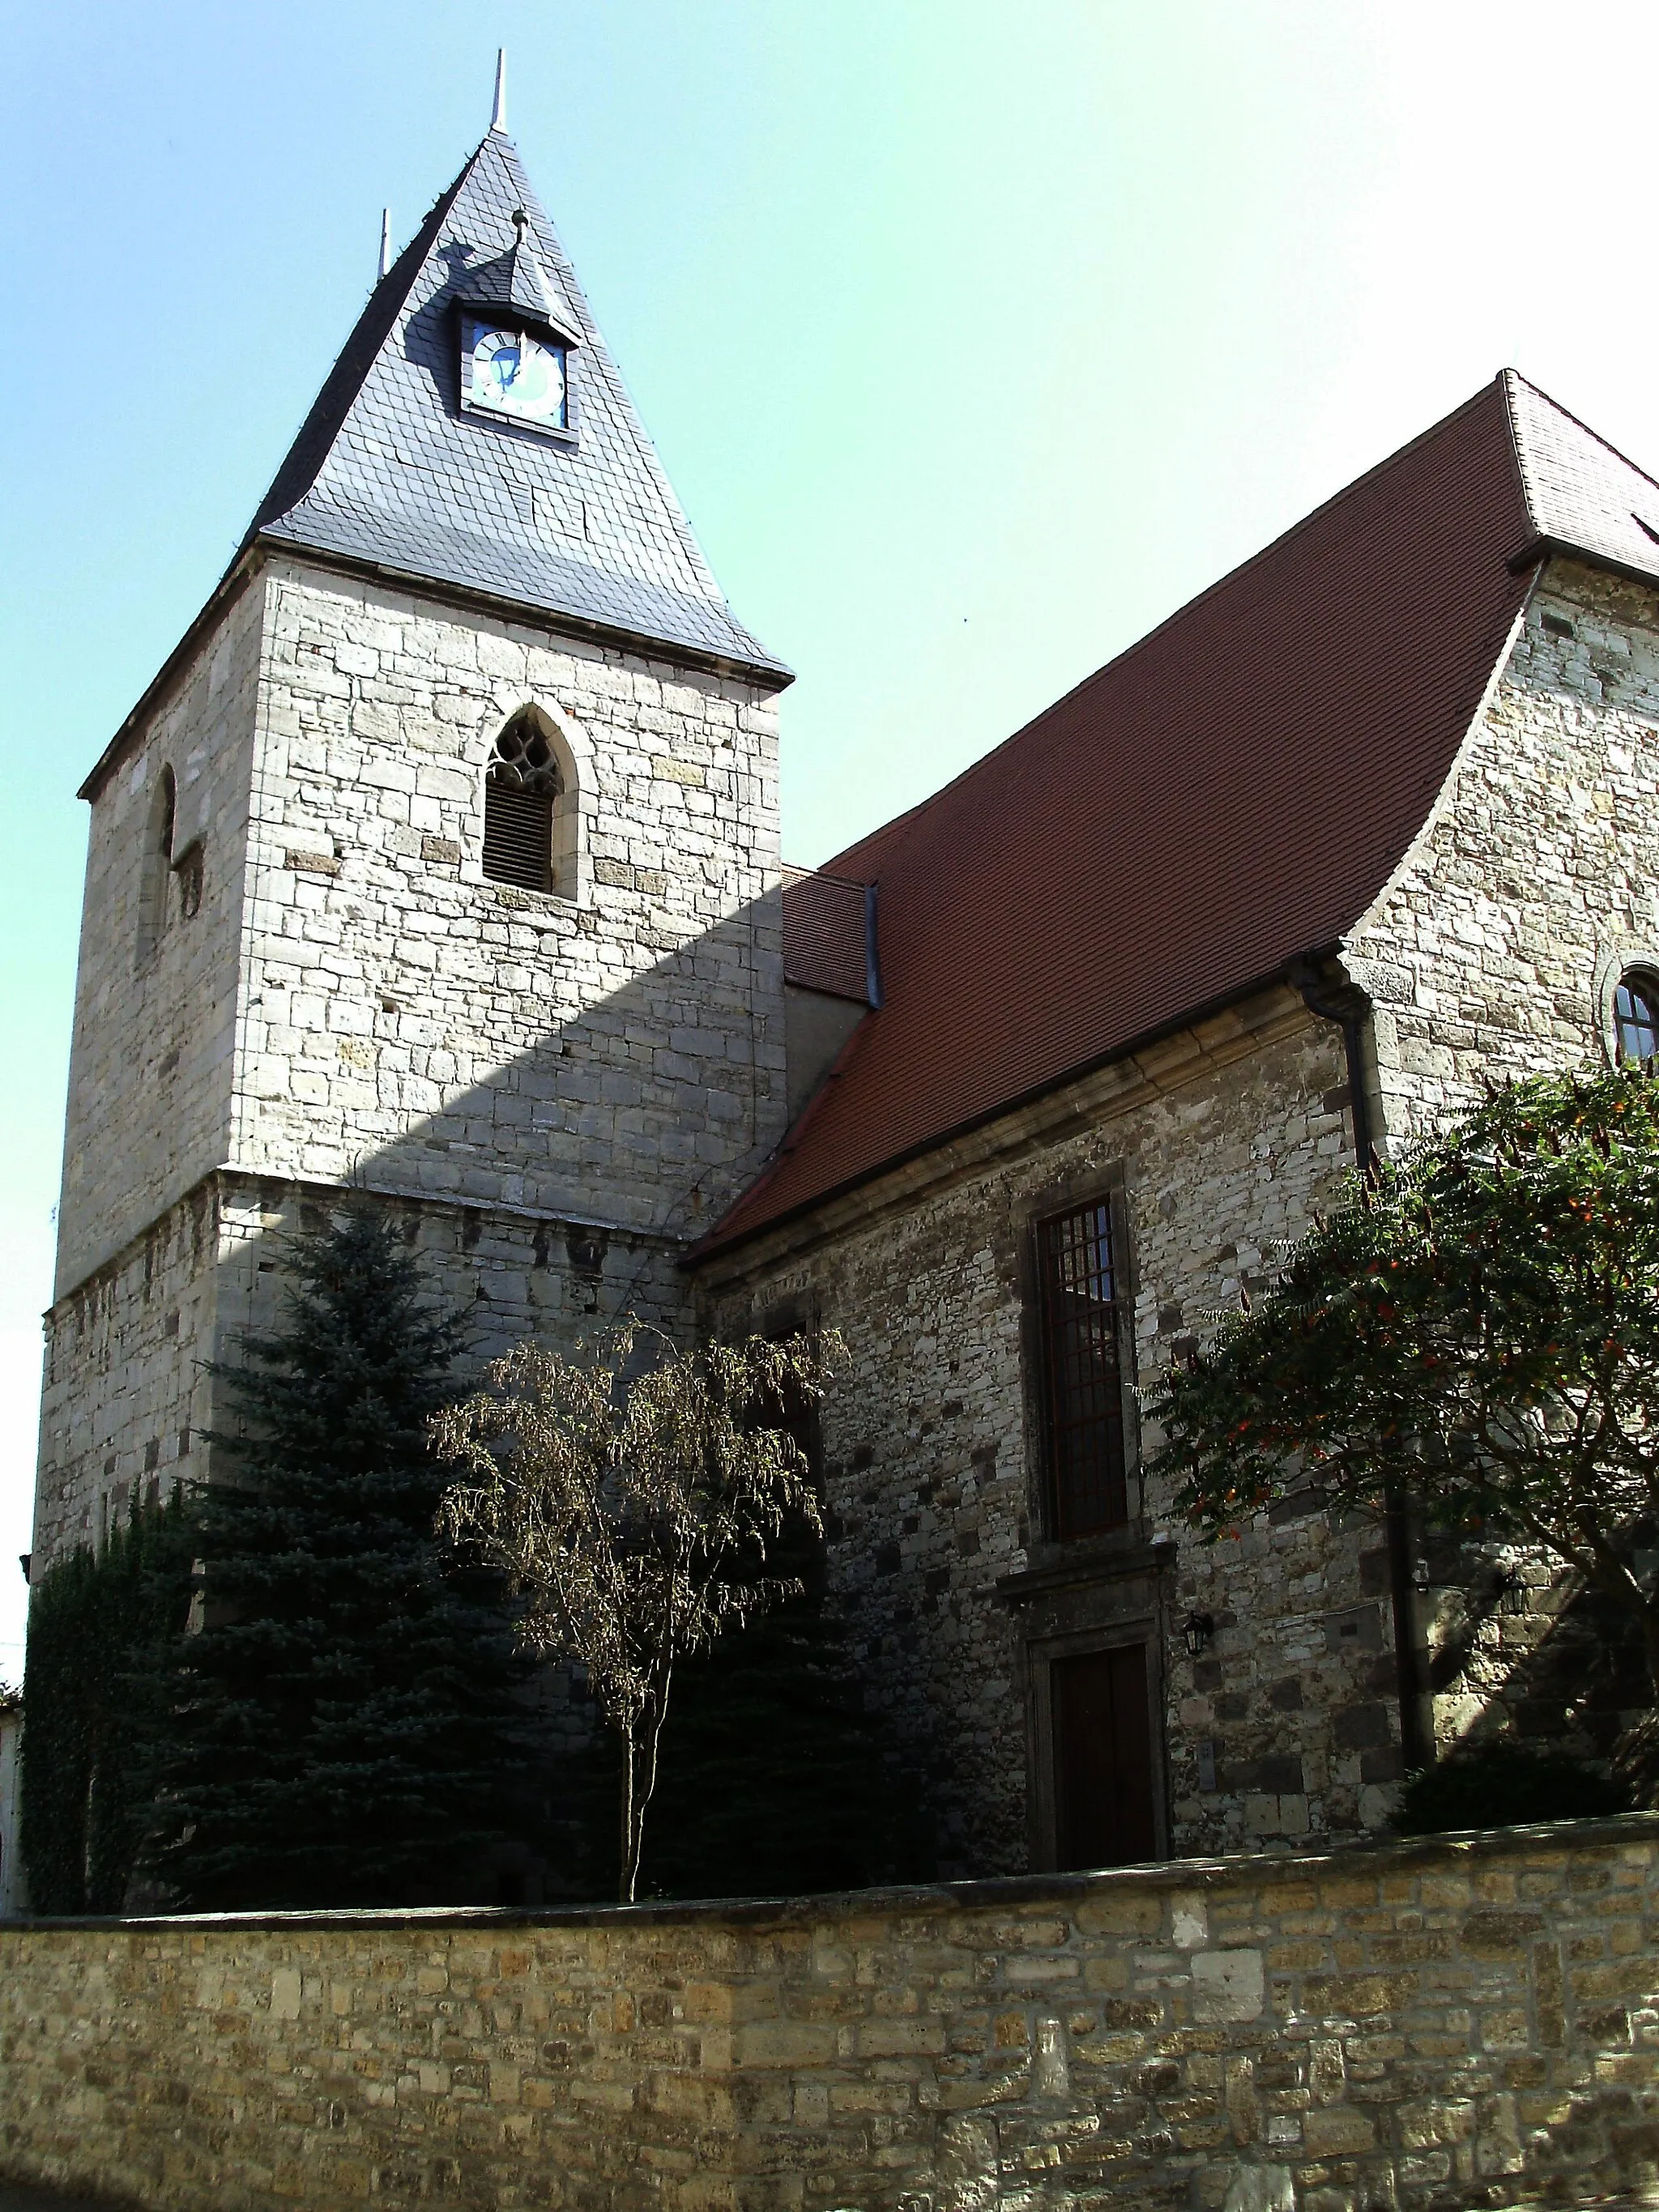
[1465,2021]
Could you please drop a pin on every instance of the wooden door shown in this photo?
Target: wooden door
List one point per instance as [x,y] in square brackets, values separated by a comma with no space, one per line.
[1102,1758]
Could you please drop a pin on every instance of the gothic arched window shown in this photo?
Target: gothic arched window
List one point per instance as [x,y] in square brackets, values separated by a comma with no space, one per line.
[157,866]
[1636,1018]
[523,789]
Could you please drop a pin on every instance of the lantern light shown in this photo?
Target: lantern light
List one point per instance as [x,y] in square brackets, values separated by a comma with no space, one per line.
[1196,1631]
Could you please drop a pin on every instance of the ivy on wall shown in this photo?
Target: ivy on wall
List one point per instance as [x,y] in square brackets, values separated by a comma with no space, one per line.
[99,1626]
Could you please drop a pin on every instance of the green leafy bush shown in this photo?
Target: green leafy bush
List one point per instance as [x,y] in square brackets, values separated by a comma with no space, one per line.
[1501,1784]
[1476,1332]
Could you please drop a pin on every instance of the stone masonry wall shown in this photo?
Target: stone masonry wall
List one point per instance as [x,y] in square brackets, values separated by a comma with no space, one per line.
[1459,2022]
[582,1080]
[127,1391]
[1223,1141]
[123,1397]
[615,1054]
[150,1093]
[1495,949]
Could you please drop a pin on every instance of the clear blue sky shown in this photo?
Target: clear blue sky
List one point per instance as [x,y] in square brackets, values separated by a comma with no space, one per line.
[975,338]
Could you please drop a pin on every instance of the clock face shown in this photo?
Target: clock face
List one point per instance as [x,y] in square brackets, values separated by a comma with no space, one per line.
[512,374]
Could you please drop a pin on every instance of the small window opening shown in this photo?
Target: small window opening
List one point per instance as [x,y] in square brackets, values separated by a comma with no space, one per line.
[157,864]
[1636,1020]
[522,788]
[1082,1362]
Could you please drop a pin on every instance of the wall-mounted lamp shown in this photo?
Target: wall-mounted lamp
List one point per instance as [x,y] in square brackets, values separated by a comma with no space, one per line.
[1512,1592]
[1421,1578]
[1196,1631]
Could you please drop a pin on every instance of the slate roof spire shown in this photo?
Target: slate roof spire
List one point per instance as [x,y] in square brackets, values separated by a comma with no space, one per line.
[387,472]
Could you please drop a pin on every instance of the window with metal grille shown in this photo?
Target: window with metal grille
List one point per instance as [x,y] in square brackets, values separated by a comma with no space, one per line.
[521,790]
[1082,1370]
[1636,1018]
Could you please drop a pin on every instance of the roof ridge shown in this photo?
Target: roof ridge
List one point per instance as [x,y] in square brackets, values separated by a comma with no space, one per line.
[894,823]
[1513,376]
[625,404]
[340,387]
[1507,380]
[1179,614]
[798,870]
[610,369]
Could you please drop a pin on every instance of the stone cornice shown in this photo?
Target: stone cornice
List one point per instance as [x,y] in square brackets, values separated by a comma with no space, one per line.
[1167,1064]
[317,1190]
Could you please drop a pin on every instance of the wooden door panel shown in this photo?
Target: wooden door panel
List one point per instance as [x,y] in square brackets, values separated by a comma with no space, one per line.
[1102,1758]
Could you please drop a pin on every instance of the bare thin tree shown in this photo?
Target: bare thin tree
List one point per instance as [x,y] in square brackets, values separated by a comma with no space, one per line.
[631,1508]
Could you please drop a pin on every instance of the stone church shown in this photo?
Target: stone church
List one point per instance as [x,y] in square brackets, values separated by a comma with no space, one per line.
[441,862]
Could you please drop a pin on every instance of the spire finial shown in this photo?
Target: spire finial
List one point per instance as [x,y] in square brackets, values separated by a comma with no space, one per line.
[386,240]
[498,120]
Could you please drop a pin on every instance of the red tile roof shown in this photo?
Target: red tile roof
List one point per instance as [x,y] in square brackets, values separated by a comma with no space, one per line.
[1231,793]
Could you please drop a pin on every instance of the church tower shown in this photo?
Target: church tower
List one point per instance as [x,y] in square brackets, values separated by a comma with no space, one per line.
[439,863]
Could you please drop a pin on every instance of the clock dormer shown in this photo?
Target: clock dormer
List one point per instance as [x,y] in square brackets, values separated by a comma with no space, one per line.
[516,345]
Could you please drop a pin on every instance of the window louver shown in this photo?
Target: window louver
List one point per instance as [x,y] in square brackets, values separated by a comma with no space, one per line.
[518,838]
[519,791]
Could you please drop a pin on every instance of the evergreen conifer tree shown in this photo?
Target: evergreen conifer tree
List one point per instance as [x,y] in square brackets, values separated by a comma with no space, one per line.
[773,1778]
[346,1725]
